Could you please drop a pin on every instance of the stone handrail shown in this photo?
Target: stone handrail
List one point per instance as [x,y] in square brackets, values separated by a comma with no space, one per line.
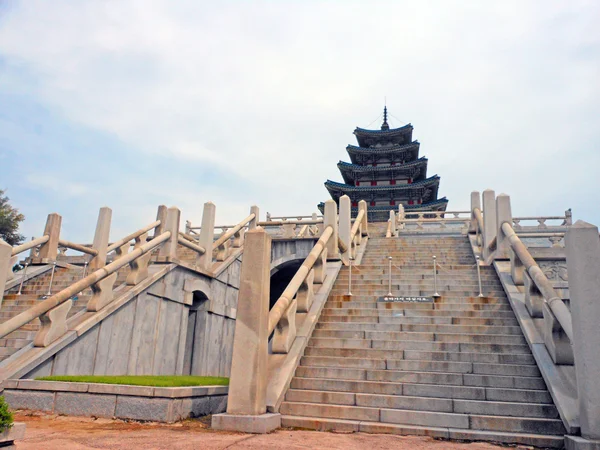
[269,217]
[29,245]
[191,245]
[553,300]
[128,238]
[232,231]
[78,247]
[274,223]
[284,301]
[63,296]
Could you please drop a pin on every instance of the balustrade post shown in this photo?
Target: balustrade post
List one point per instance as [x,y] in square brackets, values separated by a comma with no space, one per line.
[253,223]
[168,250]
[330,219]
[503,214]
[401,217]
[49,250]
[393,223]
[362,206]
[489,221]
[475,203]
[101,239]
[161,214]
[5,266]
[345,226]
[207,236]
[582,248]
[247,399]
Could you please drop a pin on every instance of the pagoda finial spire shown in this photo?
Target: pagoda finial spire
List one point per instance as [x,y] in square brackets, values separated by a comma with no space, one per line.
[384,125]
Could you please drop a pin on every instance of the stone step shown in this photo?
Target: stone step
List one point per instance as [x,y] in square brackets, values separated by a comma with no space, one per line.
[437,328]
[421,365]
[383,315]
[493,358]
[425,418]
[420,320]
[423,390]
[419,345]
[438,404]
[421,336]
[364,304]
[337,425]
[436,378]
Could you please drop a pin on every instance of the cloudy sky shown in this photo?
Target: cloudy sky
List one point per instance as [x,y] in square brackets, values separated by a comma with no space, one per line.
[132,104]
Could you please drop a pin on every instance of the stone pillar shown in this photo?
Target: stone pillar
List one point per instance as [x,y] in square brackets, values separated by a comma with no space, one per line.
[393,222]
[101,239]
[401,217]
[489,221]
[161,215]
[475,203]
[582,248]
[362,206]
[5,266]
[330,219]
[503,214]
[345,227]
[253,223]
[168,250]
[247,399]
[207,235]
[49,250]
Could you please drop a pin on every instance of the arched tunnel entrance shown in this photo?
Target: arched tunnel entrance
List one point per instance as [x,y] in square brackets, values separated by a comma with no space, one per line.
[281,277]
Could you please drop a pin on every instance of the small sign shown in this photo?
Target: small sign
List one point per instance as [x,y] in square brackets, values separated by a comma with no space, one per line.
[405,299]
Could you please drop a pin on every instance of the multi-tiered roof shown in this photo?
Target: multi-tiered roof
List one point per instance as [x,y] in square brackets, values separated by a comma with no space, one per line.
[386,171]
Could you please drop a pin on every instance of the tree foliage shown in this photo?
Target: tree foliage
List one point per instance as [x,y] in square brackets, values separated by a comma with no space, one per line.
[10,218]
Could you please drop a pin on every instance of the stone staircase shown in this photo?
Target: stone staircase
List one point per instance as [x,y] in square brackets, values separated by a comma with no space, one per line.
[36,289]
[458,368]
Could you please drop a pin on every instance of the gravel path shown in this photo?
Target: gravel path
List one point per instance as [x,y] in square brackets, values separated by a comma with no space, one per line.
[49,432]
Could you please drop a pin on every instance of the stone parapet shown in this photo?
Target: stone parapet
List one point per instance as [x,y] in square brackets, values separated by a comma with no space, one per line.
[144,403]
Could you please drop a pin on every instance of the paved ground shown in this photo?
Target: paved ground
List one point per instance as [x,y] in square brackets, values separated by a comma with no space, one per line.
[45,432]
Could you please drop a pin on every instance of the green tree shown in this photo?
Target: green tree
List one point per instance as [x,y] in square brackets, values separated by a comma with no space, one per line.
[10,218]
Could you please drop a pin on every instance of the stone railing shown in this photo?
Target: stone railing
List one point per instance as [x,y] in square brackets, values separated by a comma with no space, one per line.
[542,225]
[560,333]
[258,378]
[53,311]
[427,221]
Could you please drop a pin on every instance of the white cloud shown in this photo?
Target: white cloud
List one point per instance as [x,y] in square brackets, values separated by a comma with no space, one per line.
[502,94]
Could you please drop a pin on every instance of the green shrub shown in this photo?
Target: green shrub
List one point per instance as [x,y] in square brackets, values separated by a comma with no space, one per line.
[6,416]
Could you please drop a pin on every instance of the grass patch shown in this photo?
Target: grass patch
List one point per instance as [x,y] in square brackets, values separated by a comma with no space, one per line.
[142,380]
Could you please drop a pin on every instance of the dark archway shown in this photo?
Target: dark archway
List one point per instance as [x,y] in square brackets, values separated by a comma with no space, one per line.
[281,278]
[190,340]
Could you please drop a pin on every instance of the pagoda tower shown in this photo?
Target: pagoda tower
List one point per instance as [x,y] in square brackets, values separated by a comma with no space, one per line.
[386,171]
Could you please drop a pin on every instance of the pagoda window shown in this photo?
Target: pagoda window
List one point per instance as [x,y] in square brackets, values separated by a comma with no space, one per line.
[374,164]
[392,202]
[372,203]
[357,183]
[410,181]
[373,183]
[411,202]
[392,182]
[355,204]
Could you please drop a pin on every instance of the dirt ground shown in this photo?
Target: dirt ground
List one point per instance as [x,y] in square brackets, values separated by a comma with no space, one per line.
[50,432]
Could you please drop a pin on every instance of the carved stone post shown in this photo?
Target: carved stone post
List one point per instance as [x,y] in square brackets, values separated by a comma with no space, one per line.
[362,206]
[401,217]
[503,214]
[168,250]
[582,248]
[253,223]
[330,219]
[161,214]
[475,203]
[247,401]
[49,250]
[345,227]
[207,235]
[489,221]
[5,266]
[101,239]
[393,223]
